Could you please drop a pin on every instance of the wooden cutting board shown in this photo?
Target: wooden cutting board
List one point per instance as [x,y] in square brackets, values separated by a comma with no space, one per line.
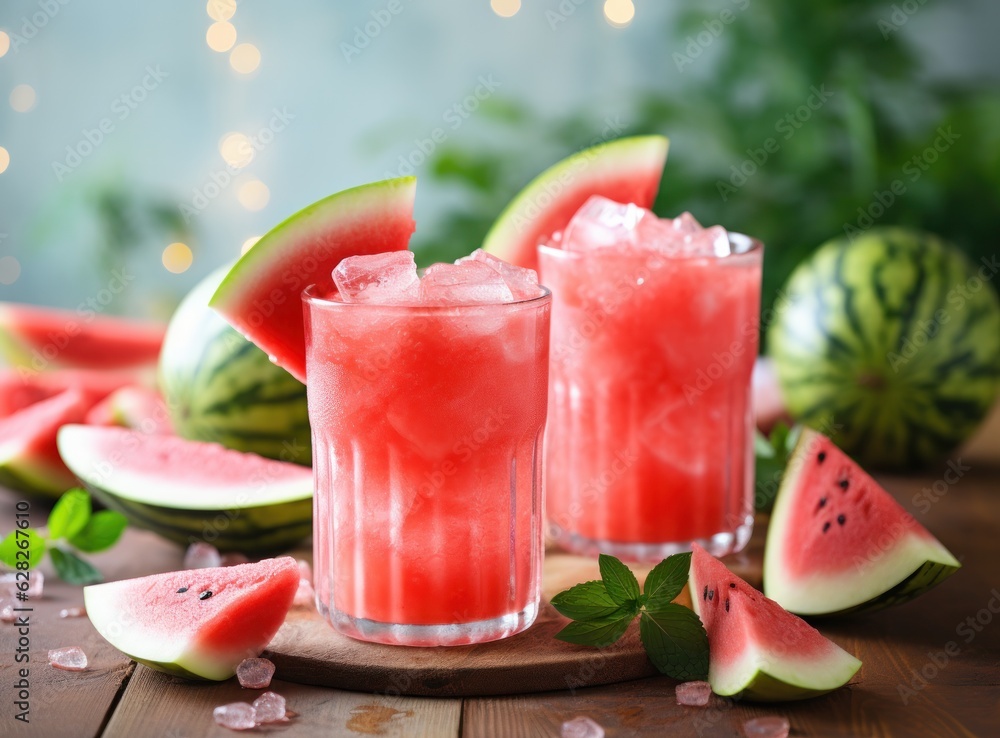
[308,651]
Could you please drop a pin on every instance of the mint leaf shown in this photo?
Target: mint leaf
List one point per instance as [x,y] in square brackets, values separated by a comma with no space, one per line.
[675,641]
[666,580]
[587,601]
[102,531]
[72,569]
[22,540]
[618,579]
[772,458]
[70,514]
[600,631]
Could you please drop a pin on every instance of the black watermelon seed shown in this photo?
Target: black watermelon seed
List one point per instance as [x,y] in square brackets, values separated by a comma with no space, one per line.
[205,595]
[182,589]
[732,585]
[822,503]
[826,525]
[704,595]
[727,604]
[841,519]
[711,594]
[821,457]
[843,484]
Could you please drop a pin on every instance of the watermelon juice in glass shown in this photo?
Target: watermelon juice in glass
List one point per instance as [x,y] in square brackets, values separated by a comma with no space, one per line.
[650,427]
[427,399]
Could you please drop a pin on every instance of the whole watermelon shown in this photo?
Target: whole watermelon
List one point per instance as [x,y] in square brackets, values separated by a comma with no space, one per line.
[890,344]
[220,387]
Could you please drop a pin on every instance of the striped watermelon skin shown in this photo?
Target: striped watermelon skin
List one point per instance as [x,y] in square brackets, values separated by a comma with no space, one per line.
[890,344]
[219,387]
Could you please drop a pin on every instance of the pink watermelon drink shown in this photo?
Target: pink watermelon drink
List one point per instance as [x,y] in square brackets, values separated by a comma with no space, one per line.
[427,398]
[654,335]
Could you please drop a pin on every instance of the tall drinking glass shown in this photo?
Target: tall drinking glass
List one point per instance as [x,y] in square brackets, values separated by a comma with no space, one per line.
[427,438]
[650,429]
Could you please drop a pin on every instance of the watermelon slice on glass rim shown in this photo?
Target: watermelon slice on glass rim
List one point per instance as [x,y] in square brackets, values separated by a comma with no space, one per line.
[198,624]
[261,295]
[838,542]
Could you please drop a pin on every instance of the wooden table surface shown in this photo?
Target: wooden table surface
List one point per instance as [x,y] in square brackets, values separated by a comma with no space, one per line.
[909,684]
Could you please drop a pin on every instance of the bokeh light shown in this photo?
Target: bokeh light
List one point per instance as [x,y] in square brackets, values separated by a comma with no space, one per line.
[10,270]
[245,58]
[4,159]
[221,36]
[4,43]
[505,8]
[221,10]
[177,258]
[236,149]
[619,13]
[254,195]
[248,244]
[23,98]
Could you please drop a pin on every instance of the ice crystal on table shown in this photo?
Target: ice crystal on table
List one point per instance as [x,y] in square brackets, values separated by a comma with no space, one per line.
[68,659]
[766,727]
[305,595]
[305,571]
[269,708]
[36,583]
[582,727]
[236,716]
[693,694]
[72,612]
[255,673]
[7,614]
[202,555]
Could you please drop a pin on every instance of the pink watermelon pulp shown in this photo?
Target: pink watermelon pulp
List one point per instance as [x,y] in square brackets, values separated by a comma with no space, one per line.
[757,649]
[838,542]
[29,457]
[627,170]
[40,339]
[132,407]
[191,490]
[198,624]
[261,295]
[20,389]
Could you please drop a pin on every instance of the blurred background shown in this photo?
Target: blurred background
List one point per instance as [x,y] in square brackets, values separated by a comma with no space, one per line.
[158,140]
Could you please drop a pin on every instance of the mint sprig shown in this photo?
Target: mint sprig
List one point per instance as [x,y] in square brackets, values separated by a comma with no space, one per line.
[673,636]
[772,453]
[72,527]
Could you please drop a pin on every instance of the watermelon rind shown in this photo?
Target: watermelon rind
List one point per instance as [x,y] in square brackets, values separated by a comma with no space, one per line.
[220,387]
[213,648]
[896,573]
[261,294]
[625,169]
[255,517]
[893,340]
[773,672]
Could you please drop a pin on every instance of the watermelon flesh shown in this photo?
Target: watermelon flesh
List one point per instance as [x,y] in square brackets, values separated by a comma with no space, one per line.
[170,623]
[19,389]
[29,457]
[39,339]
[757,649]
[261,295]
[132,407]
[838,542]
[190,490]
[627,170]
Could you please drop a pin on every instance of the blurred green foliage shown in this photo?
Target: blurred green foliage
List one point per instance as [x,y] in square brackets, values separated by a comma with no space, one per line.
[736,92]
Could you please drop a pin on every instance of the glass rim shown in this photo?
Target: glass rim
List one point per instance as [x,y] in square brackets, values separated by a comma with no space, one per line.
[752,247]
[310,297]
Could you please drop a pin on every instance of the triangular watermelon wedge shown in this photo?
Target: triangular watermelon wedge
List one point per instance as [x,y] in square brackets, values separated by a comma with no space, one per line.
[29,457]
[625,170]
[198,624]
[261,295]
[838,542]
[756,649]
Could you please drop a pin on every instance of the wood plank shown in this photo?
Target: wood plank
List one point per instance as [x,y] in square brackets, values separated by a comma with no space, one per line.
[159,706]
